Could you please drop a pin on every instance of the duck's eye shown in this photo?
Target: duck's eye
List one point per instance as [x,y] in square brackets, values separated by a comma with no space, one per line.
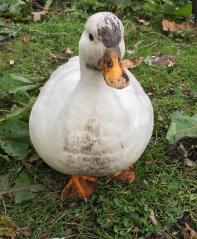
[91,37]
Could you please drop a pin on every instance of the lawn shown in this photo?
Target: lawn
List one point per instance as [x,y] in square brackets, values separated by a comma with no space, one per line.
[163,185]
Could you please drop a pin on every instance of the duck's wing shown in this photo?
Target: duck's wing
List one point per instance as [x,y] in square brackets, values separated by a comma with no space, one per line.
[53,97]
[139,113]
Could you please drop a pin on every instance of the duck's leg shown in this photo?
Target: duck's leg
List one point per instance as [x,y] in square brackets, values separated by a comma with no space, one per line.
[126,175]
[82,186]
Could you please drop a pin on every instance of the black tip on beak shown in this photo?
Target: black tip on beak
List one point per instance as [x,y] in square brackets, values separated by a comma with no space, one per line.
[124,75]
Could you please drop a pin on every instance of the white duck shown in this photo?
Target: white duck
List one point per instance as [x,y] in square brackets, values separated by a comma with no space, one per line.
[92,116]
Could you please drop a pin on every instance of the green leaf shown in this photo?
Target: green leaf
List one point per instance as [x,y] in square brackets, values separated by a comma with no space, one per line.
[14,138]
[16,111]
[21,96]
[181,126]
[184,11]
[12,83]
[25,190]
[14,8]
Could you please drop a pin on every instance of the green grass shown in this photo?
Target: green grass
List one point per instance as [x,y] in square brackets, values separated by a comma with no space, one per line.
[116,210]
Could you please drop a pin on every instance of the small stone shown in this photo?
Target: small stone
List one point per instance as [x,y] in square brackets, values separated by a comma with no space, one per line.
[11,62]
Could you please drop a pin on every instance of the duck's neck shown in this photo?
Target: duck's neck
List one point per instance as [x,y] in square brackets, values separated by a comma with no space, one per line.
[90,76]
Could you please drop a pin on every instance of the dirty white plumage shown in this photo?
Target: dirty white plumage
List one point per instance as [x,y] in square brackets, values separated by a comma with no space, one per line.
[81,126]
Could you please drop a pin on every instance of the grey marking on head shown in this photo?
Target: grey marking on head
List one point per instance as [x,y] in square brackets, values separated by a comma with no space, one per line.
[110,34]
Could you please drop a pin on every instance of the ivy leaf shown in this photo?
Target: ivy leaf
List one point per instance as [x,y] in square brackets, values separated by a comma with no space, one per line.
[14,138]
[181,126]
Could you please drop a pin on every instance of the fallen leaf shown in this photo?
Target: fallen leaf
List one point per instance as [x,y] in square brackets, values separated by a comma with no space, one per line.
[173,26]
[62,56]
[24,189]
[37,16]
[181,126]
[11,62]
[174,233]
[160,60]
[8,22]
[142,21]
[189,233]
[131,63]
[152,217]
[145,182]
[67,51]
[14,138]
[189,163]
[25,39]
[183,150]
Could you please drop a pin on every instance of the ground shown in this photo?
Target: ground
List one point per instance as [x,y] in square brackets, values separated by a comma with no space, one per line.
[116,210]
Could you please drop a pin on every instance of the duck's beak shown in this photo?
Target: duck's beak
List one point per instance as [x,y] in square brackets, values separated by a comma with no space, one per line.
[113,70]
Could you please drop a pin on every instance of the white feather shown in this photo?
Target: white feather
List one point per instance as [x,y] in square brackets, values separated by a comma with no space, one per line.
[81,126]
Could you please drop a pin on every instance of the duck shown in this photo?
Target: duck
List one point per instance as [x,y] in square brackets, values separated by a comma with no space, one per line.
[92,117]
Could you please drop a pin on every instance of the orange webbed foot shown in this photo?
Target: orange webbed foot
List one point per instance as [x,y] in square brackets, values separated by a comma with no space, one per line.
[126,175]
[82,186]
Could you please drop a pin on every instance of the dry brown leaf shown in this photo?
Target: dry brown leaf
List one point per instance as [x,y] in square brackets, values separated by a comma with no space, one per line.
[37,16]
[159,60]
[173,26]
[152,217]
[25,39]
[189,233]
[131,63]
[11,62]
[67,51]
[8,22]
[64,55]
[183,150]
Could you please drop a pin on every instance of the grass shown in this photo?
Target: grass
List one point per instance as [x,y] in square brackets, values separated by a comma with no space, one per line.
[116,210]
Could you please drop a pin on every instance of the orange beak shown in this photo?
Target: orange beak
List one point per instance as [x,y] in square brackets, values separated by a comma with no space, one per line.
[112,69]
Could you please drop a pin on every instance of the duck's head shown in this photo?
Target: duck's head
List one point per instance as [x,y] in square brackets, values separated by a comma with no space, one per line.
[102,47]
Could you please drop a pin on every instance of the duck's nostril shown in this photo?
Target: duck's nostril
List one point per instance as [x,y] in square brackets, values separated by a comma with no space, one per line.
[109,62]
